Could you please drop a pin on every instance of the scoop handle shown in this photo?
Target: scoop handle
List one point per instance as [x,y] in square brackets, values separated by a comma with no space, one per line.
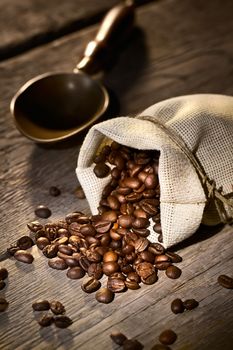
[115,27]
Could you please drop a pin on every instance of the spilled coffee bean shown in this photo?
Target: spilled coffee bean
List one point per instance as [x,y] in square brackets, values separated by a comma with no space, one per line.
[54,191]
[43,212]
[3,304]
[177,306]
[62,321]
[104,295]
[24,242]
[118,338]
[57,307]
[3,273]
[190,304]
[46,321]
[167,337]
[225,281]
[41,305]
[23,256]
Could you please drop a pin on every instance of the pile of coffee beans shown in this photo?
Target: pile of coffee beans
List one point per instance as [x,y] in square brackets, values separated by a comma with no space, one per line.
[60,320]
[3,276]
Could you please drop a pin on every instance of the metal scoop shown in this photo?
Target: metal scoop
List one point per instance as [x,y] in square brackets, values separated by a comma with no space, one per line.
[54,106]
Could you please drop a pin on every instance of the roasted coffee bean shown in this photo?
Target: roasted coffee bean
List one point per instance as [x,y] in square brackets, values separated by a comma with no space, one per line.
[147,256]
[133,276]
[115,244]
[143,232]
[25,242]
[151,279]
[125,221]
[190,304]
[12,249]
[63,256]
[34,226]
[72,217]
[54,191]
[99,158]
[160,238]
[115,235]
[113,202]
[140,223]
[95,270]
[57,307]
[57,263]
[149,194]
[110,256]
[110,267]
[157,228]
[71,261]
[167,337]
[161,258]
[141,244]
[132,182]
[50,251]
[104,295]
[131,284]
[62,321]
[75,273]
[105,240]
[175,258]
[65,249]
[84,263]
[62,224]
[156,248]
[225,281]
[74,240]
[3,273]
[2,285]
[24,256]
[151,181]
[87,230]
[119,162]
[46,320]
[145,269]
[139,213]
[3,304]
[116,285]
[41,305]
[93,256]
[42,242]
[102,226]
[43,212]
[133,197]
[123,190]
[127,209]
[101,170]
[80,193]
[132,344]
[163,265]
[177,306]
[61,241]
[126,268]
[150,206]
[118,338]
[160,347]
[173,272]
[110,215]
[90,285]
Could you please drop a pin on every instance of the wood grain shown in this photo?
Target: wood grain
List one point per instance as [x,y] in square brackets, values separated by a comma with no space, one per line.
[180,47]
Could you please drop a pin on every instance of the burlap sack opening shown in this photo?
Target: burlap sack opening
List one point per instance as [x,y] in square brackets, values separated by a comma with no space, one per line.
[205,124]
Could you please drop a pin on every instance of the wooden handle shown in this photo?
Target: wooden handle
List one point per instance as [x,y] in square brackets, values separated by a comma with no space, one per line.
[116,23]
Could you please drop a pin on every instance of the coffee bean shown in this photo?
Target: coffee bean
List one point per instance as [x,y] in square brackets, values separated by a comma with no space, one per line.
[156,248]
[50,251]
[160,238]
[151,279]
[3,304]
[87,230]
[113,202]
[91,285]
[3,273]
[41,305]
[132,344]
[161,258]
[132,182]
[95,270]
[190,304]
[75,273]
[167,337]
[2,284]
[104,295]
[140,223]
[225,281]
[80,193]
[110,256]
[110,215]
[143,232]
[125,221]
[42,242]
[163,265]
[116,285]
[147,256]
[177,306]
[145,269]
[160,347]
[43,212]
[12,249]
[72,217]
[24,256]
[57,263]
[101,170]
[141,244]
[139,213]
[45,320]
[65,249]
[34,226]
[57,307]
[84,263]
[25,242]
[173,272]
[131,284]
[150,206]
[110,267]
[71,261]
[54,191]
[102,226]
[133,276]
[175,258]
[133,197]
[118,338]
[62,321]
[157,228]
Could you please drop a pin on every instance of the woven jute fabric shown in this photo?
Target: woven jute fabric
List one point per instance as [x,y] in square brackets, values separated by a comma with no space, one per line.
[186,128]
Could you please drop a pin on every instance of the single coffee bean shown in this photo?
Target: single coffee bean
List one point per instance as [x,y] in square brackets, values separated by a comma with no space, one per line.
[75,273]
[132,344]
[161,258]
[45,320]
[95,270]
[143,232]
[150,206]
[65,249]
[156,248]
[133,197]
[163,265]
[131,284]
[54,191]
[125,221]
[173,272]
[141,244]
[57,263]
[113,202]
[110,256]
[133,276]
[147,256]
[175,258]
[42,242]
[84,263]
[104,295]
[160,347]
[151,181]
[157,228]
[2,285]
[3,304]
[118,338]
[91,285]
[140,223]
[177,306]
[167,337]
[71,261]
[87,230]
[93,256]
[57,307]
[145,269]
[110,215]
[43,212]
[63,256]
[25,242]
[80,193]
[102,226]
[139,213]
[151,279]
[50,251]
[190,304]
[72,217]
[34,226]
[160,238]
[225,281]
[3,273]
[116,285]
[110,267]
[24,256]
[101,170]
[62,321]
[41,305]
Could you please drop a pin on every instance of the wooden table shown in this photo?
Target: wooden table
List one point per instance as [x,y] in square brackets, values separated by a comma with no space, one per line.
[179,47]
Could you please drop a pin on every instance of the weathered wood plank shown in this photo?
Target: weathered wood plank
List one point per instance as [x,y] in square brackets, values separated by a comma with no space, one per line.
[183,47]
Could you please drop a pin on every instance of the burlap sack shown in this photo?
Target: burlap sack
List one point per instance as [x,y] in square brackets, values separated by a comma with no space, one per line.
[194,136]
